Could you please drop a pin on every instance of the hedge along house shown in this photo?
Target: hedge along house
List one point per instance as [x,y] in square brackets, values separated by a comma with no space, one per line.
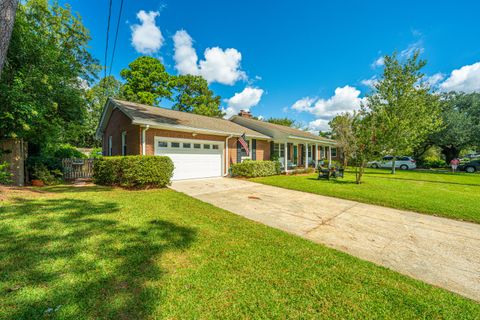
[293,147]
[199,146]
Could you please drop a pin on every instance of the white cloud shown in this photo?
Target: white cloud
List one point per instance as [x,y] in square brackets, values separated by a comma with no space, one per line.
[244,100]
[369,82]
[465,79]
[410,50]
[318,125]
[219,65]
[185,56]
[147,37]
[435,79]
[380,62]
[345,99]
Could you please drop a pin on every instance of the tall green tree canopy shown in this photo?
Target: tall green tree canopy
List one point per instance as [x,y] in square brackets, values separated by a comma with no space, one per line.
[193,95]
[283,121]
[146,81]
[41,89]
[83,134]
[461,124]
[406,111]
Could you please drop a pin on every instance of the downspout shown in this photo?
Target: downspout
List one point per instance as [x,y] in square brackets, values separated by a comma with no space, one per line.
[226,155]
[144,147]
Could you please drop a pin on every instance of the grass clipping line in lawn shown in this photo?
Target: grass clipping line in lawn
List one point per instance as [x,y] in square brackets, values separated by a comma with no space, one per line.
[94,252]
[455,196]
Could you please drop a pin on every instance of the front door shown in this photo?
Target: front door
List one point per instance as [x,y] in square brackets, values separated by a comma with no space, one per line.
[295,154]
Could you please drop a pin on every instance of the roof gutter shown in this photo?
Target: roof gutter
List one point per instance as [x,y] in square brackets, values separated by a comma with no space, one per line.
[313,140]
[197,130]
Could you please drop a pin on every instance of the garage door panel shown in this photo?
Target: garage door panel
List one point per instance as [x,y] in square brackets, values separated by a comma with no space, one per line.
[191,163]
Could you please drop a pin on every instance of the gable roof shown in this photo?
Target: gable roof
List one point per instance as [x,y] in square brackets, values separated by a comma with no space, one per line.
[279,132]
[168,119]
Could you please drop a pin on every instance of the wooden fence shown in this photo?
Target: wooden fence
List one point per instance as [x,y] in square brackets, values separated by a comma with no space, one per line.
[77,168]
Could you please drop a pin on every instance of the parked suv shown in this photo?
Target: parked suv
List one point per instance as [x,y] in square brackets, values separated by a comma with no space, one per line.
[403,163]
[470,167]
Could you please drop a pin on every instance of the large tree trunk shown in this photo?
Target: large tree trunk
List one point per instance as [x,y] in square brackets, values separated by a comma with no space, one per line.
[450,153]
[393,165]
[7,19]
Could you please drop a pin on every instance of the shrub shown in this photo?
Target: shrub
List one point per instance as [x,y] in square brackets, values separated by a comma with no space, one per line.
[5,175]
[49,177]
[251,168]
[68,151]
[95,153]
[133,171]
[434,162]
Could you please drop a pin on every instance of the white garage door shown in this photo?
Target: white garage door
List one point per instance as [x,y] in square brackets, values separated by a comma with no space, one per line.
[192,158]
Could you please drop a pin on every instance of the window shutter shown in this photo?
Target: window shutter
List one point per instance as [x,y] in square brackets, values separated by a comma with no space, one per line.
[272,150]
[288,151]
[239,152]
[254,149]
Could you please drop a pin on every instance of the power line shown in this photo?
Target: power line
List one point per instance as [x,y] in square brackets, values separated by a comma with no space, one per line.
[116,36]
[108,31]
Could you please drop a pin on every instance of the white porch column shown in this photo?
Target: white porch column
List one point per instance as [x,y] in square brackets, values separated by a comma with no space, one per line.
[306,155]
[316,155]
[329,156]
[285,158]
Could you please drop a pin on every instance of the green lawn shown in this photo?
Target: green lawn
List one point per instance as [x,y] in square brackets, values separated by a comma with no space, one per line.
[443,194]
[97,253]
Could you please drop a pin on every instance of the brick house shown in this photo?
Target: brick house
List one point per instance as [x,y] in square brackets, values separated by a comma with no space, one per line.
[202,146]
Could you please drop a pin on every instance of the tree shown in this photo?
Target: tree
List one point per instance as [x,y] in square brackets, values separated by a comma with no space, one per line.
[7,19]
[283,121]
[407,113]
[147,81]
[40,89]
[342,132]
[193,95]
[461,124]
[83,134]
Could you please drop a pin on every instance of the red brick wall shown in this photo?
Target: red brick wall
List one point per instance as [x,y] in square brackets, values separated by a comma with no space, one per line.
[263,150]
[118,123]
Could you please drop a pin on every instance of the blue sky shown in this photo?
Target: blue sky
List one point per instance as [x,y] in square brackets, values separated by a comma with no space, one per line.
[307,60]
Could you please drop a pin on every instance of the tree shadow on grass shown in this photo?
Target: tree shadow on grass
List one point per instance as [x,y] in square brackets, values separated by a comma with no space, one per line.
[71,258]
[335,181]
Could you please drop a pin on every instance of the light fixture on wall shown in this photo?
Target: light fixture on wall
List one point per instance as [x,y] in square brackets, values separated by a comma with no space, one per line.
[194,134]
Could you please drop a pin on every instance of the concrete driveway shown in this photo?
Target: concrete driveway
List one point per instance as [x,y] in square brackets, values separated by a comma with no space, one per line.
[439,251]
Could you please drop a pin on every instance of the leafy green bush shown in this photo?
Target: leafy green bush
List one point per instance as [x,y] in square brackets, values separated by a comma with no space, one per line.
[133,171]
[251,168]
[5,175]
[95,153]
[68,151]
[434,162]
[41,172]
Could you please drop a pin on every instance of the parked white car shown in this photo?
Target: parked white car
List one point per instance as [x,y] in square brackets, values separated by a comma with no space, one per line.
[403,163]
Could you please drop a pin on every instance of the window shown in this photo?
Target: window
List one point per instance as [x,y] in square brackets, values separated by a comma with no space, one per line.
[206,146]
[322,152]
[215,146]
[334,152]
[175,144]
[310,152]
[124,143]
[187,145]
[110,145]
[197,146]
[279,149]
[162,144]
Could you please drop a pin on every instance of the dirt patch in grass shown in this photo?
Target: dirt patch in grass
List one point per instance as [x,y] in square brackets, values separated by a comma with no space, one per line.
[8,193]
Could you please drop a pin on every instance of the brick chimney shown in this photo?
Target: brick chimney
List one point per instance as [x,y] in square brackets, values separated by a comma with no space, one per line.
[245,114]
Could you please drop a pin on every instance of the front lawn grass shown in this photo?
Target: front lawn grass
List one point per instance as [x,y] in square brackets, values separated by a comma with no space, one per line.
[448,195]
[100,253]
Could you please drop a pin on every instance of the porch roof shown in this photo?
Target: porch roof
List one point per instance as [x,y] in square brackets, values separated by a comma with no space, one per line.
[281,133]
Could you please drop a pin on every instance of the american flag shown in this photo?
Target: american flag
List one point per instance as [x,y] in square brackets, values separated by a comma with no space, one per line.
[244,143]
